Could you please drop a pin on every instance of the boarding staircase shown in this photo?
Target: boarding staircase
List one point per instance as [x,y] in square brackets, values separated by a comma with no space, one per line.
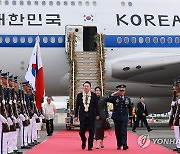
[84,66]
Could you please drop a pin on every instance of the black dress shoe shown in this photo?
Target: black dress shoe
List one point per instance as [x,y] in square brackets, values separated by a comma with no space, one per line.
[25,147]
[83,146]
[125,147]
[133,130]
[150,130]
[89,149]
[18,152]
[175,149]
[102,146]
[119,148]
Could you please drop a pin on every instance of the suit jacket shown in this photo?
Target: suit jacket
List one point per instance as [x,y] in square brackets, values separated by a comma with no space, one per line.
[93,110]
[141,110]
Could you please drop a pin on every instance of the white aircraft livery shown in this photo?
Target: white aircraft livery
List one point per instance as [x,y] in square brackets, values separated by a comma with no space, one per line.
[142,42]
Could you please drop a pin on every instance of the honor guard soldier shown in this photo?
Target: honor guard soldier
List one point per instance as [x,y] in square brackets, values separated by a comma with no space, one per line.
[175,113]
[122,104]
[24,119]
[10,116]
[4,128]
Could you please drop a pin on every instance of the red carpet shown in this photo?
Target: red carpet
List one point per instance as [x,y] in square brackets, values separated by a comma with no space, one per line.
[68,142]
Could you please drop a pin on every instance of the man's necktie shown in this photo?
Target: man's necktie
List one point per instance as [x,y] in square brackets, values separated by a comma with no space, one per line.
[86,99]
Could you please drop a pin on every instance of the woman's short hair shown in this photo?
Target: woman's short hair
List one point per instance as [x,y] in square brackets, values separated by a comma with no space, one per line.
[97,88]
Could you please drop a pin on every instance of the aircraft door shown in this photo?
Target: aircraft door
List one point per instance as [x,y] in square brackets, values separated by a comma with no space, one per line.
[78,30]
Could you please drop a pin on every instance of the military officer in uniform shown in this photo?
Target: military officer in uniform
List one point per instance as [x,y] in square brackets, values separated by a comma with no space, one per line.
[175,111]
[122,104]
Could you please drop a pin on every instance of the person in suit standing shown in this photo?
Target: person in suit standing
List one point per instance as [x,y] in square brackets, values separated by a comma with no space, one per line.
[103,117]
[141,115]
[122,104]
[87,110]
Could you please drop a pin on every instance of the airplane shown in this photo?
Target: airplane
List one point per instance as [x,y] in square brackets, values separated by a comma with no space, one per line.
[141,40]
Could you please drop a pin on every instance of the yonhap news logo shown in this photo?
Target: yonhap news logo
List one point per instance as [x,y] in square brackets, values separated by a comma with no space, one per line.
[144,141]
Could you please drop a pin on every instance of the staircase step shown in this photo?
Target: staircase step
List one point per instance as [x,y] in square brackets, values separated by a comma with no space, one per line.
[87,71]
[87,78]
[89,68]
[86,56]
[82,60]
[87,74]
[87,64]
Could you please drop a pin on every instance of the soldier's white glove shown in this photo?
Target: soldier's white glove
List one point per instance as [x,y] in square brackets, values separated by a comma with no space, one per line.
[42,116]
[10,122]
[15,101]
[10,102]
[179,101]
[3,119]
[35,115]
[173,103]
[26,117]
[22,117]
[18,120]
[14,119]
[3,101]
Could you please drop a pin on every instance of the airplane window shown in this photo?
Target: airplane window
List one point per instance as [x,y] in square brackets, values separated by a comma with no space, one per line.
[22,39]
[43,3]
[50,3]
[6,2]
[130,3]
[162,40]
[126,40]
[53,40]
[176,39]
[94,3]
[1,39]
[65,3]
[13,2]
[58,3]
[133,40]
[21,2]
[7,39]
[60,40]
[30,39]
[28,2]
[138,67]
[126,68]
[141,39]
[72,3]
[147,40]
[36,2]
[80,3]
[155,40]
[45,39]
[123,3]
[15,39]
[169,39]
[0,2]
[119,40]
[87,3]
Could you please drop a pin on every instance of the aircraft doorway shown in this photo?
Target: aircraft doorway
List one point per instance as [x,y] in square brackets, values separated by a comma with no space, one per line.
[88,38]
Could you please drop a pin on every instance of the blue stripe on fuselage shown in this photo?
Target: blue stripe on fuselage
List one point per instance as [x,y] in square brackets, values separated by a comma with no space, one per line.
[111,41]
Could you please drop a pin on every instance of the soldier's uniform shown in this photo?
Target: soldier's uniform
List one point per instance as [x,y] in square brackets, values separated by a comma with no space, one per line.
[122,104]
[3,120]
[175,115]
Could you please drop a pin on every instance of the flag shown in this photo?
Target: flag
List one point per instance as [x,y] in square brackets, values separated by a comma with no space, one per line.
[35,74]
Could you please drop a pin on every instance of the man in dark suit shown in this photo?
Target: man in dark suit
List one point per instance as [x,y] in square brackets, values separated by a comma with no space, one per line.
[87,108]
[141,115]
[122,104]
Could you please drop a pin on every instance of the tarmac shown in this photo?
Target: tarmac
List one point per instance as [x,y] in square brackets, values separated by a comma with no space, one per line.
[161,134]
